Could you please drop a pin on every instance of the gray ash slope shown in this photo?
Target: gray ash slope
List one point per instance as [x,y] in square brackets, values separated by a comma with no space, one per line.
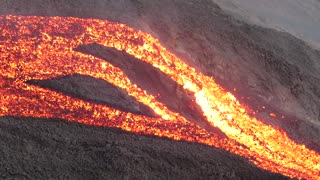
[273,68]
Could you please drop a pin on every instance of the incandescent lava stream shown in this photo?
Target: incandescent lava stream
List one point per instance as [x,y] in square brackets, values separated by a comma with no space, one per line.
[38,48]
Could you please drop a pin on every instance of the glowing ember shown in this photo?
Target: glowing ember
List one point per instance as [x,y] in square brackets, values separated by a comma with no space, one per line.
[42,47]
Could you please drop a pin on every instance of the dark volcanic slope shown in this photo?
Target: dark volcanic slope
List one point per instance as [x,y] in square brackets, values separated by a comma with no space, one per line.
[54,149]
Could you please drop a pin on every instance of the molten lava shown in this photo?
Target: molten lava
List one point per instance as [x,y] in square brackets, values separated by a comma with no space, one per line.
[36,48]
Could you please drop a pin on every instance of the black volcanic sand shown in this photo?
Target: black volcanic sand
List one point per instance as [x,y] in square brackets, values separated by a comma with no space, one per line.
[274,69]
[55,149]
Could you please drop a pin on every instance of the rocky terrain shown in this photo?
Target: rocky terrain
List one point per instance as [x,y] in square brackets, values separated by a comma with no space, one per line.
[262,67]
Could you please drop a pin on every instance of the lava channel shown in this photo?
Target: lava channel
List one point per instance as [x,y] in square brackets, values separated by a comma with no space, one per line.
[39,48]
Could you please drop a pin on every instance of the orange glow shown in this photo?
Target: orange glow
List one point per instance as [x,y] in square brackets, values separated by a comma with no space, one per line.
[42,47]
[273,115]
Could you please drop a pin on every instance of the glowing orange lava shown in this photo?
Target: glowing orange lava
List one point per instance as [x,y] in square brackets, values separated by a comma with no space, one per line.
[42,47]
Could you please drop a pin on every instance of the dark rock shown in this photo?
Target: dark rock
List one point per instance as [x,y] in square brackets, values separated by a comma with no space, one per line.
[95,90]
[155,82]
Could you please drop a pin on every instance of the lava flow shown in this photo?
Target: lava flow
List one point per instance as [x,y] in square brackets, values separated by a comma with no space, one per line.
[36,48]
